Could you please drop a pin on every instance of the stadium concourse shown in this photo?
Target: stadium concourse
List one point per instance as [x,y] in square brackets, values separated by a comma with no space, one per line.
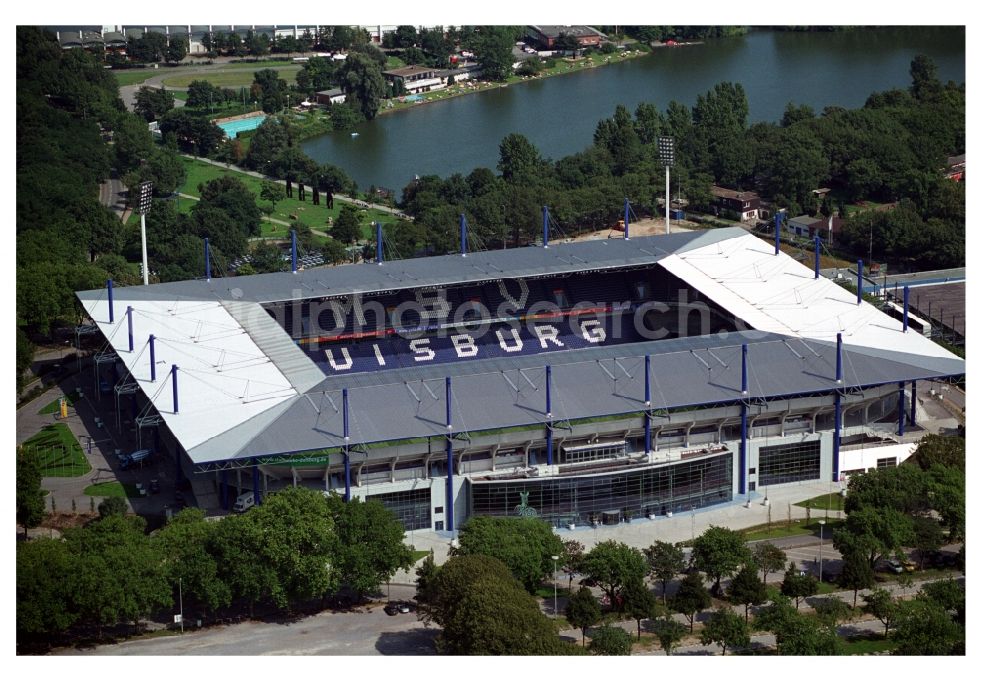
[586,383]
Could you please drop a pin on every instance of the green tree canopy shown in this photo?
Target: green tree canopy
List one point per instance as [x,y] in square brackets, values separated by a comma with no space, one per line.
[610,640]
[525,546]
[691,597]
[370,543]
[727,629]
[747,589]
[718,552]
[797,585]
[611,565]
[665,561]
[769,558]
[29,498]
[583,611]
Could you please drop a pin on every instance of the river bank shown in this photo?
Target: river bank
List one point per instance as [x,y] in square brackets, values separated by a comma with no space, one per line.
[559,66]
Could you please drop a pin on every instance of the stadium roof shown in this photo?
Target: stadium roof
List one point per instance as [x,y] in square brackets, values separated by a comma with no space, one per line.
[523,262]
[247,390]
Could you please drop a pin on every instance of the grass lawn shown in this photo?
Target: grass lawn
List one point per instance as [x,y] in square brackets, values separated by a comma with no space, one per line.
[109,489]
[306,212]
[807,256]
[780,529]
[419,554]
[59,453]
[393,62]
[53,406]
[180,96]
[131,77]
[865,645]
[242,77]
[832,502]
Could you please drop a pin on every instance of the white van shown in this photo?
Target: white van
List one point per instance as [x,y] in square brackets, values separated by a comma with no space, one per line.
[243,503]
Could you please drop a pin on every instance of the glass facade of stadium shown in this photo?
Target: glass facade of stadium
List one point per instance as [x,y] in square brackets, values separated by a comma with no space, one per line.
[601,473]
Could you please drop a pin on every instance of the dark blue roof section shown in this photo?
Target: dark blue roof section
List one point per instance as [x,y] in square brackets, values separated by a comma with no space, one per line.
[492,394]
[524,262]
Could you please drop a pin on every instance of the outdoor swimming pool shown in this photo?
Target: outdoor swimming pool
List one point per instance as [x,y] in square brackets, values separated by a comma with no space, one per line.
[244,124]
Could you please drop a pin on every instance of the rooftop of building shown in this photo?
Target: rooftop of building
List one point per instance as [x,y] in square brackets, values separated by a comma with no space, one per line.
[729,193]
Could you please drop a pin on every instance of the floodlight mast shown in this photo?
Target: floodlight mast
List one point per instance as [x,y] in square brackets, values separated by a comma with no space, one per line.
[665,154]
[145,199]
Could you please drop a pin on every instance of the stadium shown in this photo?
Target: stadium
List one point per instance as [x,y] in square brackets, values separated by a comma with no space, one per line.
[589,382]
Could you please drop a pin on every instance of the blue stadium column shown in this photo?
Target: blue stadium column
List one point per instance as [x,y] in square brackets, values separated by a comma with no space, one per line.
[548,414]
[913,403]
[131,338]
[861,278]
[225,489]
[295,252]
[649,445]
[208,264]
[256,485]
[111,301]
[777,233]
[378,243]
[902,408]
[463,228]
[744,391]
[836,409]
[450,481]
[626,218]
[816,271]
[347,450]
[178,474]
[152,358]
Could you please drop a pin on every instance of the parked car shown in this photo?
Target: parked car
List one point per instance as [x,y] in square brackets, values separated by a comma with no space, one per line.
[243,502]
[396,607]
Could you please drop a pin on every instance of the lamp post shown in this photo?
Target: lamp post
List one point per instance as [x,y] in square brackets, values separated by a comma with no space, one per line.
[145,200]
[821,524]
[555,589]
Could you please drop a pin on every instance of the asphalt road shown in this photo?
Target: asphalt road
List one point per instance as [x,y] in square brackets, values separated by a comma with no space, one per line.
[368,631]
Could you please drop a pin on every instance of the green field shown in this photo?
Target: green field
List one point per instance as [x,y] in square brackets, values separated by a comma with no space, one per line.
[780,529]
[865,645]
[58,452]
[831,502]
[180,96]
[306,212]
[109,489]
[131,77]
[53,406]
[230,78]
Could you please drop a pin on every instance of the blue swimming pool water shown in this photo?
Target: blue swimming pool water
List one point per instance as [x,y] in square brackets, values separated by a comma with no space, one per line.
[245,124]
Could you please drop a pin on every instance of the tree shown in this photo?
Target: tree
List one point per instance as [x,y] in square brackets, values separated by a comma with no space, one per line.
[881,604]
[610,640]
[361,78]
[583,611]
[233,197]
[29,498]
[874,532]
[727,629]
[923,627]
[112,506]
[269,89]
[927,538]
[769,558]
[665,561]
[525,546]
[44,575]
[202,94]
[747,589]
[371,543]
[925,85]
[638,602]
[797,585]
[177,49]
[691,597]
[572,559]
[483,610]
[855,574]
[494,52]
[25,357]
[611,565]
[519,159]
[831,611]
[802,635]
[936,449]
[718,552]
[183,546]
[271,192]
[166,171]
[152,103]
[670,632]
[565,42]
